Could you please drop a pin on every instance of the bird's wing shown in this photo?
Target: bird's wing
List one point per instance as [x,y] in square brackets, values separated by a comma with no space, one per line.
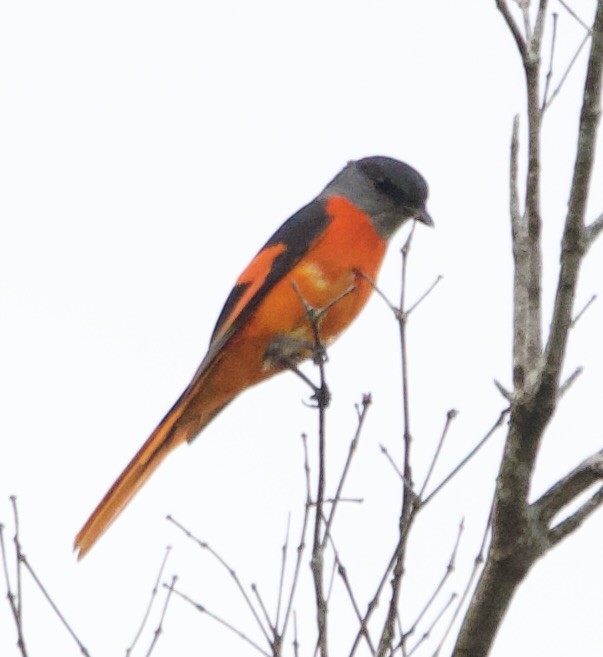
[273,261]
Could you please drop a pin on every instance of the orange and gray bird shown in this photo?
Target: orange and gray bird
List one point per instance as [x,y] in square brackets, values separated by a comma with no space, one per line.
[322,257]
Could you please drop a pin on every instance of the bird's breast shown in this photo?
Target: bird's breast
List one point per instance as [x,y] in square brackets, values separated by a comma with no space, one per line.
[330,276]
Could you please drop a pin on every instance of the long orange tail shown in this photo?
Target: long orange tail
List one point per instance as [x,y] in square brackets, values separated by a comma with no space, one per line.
[170,433]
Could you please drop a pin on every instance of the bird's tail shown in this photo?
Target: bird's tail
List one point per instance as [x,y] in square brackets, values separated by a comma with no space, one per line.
[170,433]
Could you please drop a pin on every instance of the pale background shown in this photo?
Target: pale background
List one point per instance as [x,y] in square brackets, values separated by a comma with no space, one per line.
[147,150]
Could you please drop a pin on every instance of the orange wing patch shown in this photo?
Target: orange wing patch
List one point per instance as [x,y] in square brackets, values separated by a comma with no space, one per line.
[251,280]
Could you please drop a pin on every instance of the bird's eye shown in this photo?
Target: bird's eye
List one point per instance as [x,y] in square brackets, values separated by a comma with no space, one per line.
[386,186]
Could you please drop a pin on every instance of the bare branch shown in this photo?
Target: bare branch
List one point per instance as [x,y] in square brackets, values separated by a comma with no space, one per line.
[517,35]
[447,573]
[587,305]
[435,621]
[302,541]
[520,255]
[573,243]
[56,610]
[150,605]
[388,456]
[567,489]
[507,395]
[231,571]
[342,572]
[366,402]
[569,382]
[10,595]
[281,581]
[295,641]
[159,628]
[572,13]
[477,563]
[317,562]
[203,610]
[397,312]
[524,6]
[467,458]
[549,74]
[449,418]
[425,294]
[18,555]
[408,496]
[567,71]
[258,597]
[540,16]
[569,525]
[592,231]
[514,192]
[372,605]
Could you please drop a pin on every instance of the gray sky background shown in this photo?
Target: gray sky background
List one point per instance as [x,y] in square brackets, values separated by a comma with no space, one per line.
[147,150]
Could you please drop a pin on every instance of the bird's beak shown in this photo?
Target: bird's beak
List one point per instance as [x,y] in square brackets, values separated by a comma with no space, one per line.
[425,218]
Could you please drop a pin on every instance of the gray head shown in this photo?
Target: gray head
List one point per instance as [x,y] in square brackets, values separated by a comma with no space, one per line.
[389,191]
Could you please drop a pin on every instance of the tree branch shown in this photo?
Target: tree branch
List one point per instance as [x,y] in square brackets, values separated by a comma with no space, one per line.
[515,31]
[567,489]
[592,231]
[573,242]
[569,525]
[518,539]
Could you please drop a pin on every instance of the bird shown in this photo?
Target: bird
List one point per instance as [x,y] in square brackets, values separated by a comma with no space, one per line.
[324,257]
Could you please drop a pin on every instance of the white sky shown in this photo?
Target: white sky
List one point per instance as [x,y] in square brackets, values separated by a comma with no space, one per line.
[147,150]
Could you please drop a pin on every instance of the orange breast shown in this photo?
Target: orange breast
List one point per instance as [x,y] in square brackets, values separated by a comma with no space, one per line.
[348,245]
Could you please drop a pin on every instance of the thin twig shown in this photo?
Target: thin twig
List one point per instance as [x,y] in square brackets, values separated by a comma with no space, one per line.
[11,596]
[447,573]
[371,282]
[150,605]
[393,306]
[372,605]
[281,582]
[18,555]
[425,294]
[366,402]
[50,601]
[302,541]
[205,546]
[592,231]
[571,379]
[572,241]
[477,563]
[203,610]
[408,508]
[322,401]
[549,74]
[391,461]
[565,491]
[567,71]
[449,418]
[517,35]
[435,621]
[342,572]
[570,524]
[295,641]
[507,395]
[466,459]
[572,13]
[587,305]
[159,628]
[525,14]
[263,609]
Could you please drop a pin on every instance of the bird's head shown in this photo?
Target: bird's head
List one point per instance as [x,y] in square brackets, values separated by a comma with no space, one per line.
[389,191]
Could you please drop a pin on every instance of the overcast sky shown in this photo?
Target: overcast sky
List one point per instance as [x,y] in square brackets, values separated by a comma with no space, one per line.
[147,150]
